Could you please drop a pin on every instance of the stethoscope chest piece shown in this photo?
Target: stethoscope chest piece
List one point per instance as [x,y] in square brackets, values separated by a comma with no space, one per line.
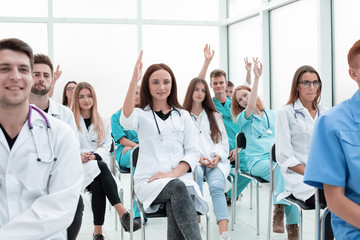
[268,132]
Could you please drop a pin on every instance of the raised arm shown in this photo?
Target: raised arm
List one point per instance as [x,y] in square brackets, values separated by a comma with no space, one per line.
[129,99]
[57,75]
[251,106]
[208,54]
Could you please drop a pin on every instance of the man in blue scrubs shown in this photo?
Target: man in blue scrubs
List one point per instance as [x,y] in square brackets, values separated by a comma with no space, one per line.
[222,103]
[334,158]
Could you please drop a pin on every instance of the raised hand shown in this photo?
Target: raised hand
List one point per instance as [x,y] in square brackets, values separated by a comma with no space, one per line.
[247,64]
[257,68]
[57,73]
[208,53]
[137,74]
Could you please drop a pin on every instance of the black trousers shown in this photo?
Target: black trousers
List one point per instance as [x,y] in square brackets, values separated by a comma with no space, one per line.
[103,186]
[74,228]
[311,201]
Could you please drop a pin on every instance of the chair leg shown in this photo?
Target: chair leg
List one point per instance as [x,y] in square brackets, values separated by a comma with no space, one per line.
[300,222]
[269,213]
[233,203]
[117,217]
[251,194]
[322,223]
[142,226]
[257,209]
[207,226]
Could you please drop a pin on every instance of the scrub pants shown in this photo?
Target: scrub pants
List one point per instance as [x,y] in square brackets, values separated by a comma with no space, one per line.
[216,181]
[124,160]
[262,169]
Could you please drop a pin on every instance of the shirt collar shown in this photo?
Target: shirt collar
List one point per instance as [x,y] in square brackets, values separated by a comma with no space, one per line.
[355,106]
[298,105]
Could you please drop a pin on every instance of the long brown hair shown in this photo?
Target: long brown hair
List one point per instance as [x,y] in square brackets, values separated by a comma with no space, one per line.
[65,99]
[294,93]
[207,105]
[236,109]
[145,96]
[95,116]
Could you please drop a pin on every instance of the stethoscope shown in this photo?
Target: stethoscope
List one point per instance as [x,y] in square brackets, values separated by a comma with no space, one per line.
[296,112]
[31,127]
[268,131]
[196,122]
[157,125]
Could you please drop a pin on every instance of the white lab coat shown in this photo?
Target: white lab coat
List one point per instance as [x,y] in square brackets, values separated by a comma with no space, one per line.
[179,144]
[63,113]
[208,148]
[39,198]
[88,140]
[293,137]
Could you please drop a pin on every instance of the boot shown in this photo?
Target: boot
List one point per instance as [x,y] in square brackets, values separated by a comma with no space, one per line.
[125,222]
[293,231]
[278,218]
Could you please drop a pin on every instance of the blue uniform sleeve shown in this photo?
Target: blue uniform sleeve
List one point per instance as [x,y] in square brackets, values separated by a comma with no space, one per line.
[326,161]
[116,129]
[242,121]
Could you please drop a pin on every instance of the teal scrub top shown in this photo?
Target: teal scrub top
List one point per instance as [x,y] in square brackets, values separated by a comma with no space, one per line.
[230,126]
[258,141]
[119,132]
[334,157]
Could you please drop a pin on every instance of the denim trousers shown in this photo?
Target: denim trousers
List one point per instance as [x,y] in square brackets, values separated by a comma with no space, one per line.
[216,181]
[181,214]
[262,169]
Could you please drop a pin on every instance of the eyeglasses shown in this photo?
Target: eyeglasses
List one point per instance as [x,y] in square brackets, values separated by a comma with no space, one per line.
[70,88]
[307,84]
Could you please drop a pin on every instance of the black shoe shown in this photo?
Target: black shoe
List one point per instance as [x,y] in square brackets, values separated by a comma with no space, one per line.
[98,237]
[125,222]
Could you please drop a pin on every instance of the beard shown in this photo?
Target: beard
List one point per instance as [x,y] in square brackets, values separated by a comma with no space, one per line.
[41,92]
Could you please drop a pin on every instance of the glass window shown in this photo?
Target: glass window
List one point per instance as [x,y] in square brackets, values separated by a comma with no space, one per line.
[237,7]
[346,21]
[98,54]
[95,8]
[294,42]
[181,48]
[244,41]
[34,34]
[205,10]
[24,8]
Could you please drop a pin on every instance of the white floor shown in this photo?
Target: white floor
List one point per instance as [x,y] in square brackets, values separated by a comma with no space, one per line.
[245,227]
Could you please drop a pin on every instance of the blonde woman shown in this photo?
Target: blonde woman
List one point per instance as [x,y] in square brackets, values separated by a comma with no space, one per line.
[95,143]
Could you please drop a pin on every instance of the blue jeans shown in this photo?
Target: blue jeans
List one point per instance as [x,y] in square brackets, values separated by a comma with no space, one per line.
[181,214]
[262,169]
[216,181]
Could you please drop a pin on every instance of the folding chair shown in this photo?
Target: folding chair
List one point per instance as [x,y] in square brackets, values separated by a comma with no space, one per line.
[300,205]
[240,142]
[160,213]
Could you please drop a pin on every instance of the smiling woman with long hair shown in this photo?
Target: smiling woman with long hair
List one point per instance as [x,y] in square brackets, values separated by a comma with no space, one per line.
[95,142]
[168,150]
[213,162]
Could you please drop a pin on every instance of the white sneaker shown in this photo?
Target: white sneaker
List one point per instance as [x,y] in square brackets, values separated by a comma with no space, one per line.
[225,236]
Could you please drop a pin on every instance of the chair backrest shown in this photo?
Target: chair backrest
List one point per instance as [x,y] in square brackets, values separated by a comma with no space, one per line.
[273,153]
[241,140]
[135,155]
